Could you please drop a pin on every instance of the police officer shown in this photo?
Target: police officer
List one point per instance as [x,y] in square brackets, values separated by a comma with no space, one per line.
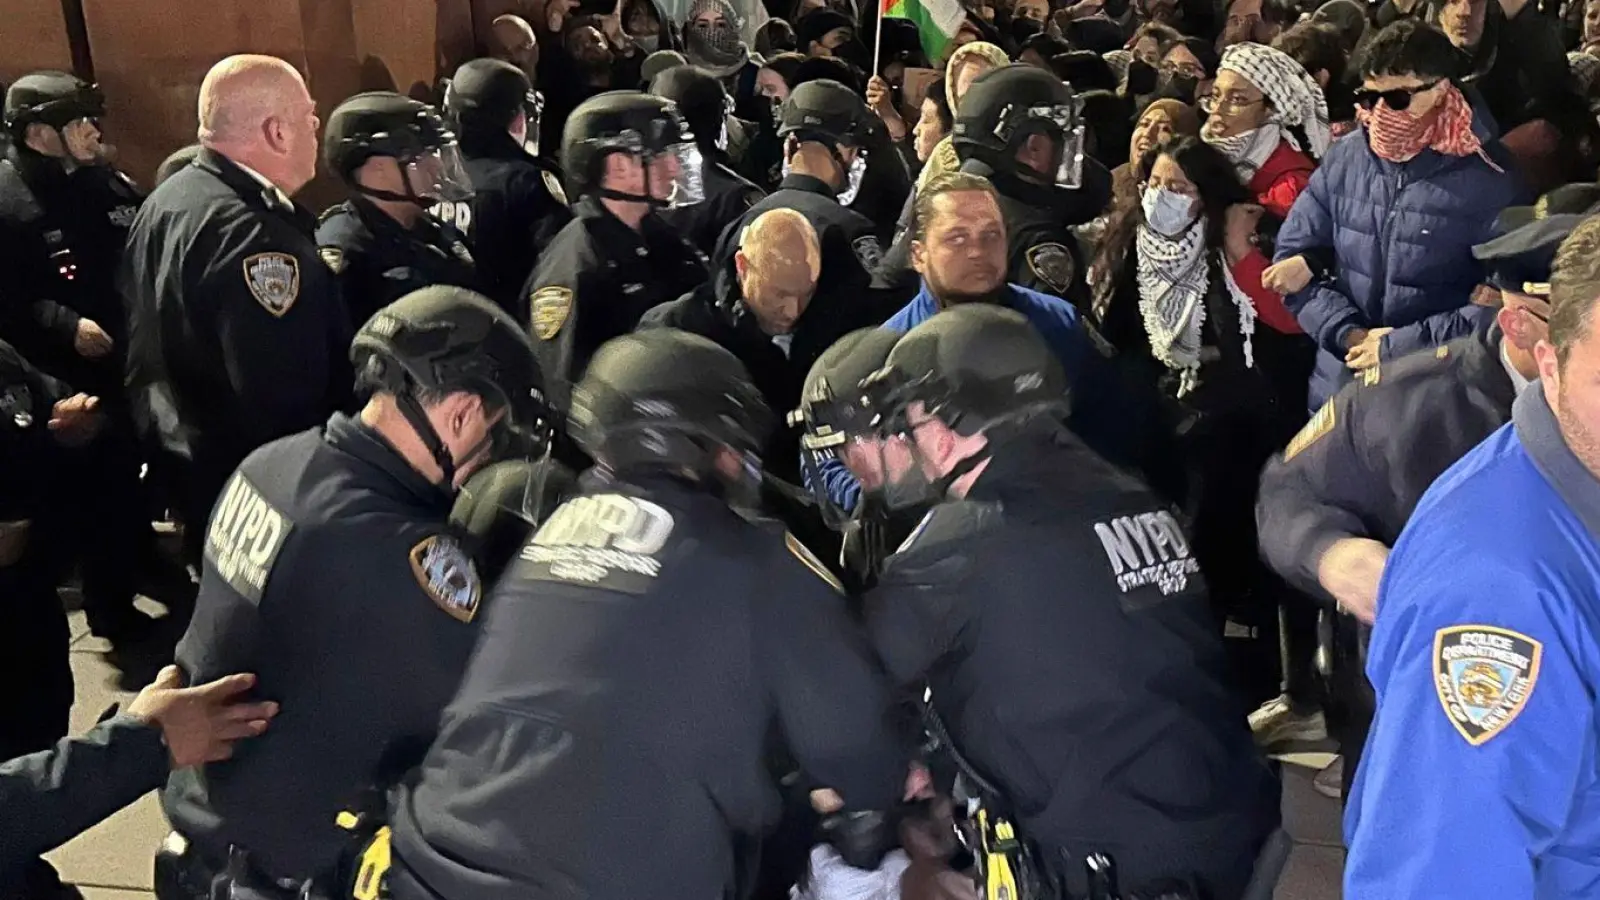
[1021,128]
[1336,499]
[608,740]
[824,127]
[706,106]
[398,158]
[331,573]
[1484,653]
[238,335]
[1144,756]
[518,203]
[64,217]
[627,156]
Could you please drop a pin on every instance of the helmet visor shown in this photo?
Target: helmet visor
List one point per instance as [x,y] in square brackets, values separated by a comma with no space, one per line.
[1063,124]
[681,168]
[439,175]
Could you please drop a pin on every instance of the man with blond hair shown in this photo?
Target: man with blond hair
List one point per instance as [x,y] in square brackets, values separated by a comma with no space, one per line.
[238,335]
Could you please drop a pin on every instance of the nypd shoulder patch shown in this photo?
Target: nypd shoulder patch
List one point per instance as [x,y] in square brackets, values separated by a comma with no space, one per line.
[1314,430]
[448,576]
[553,185]
[1484,676]
[274,280]
[1052,264]
[867,251]
[549,309]
[334,258]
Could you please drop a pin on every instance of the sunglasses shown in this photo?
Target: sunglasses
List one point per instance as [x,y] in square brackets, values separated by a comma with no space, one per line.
[1398,99]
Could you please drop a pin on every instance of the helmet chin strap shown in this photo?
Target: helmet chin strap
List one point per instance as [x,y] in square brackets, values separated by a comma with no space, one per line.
[646,197]
[418,418]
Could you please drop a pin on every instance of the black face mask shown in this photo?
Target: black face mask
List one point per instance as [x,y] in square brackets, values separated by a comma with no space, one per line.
[1142,78]
[1179,86]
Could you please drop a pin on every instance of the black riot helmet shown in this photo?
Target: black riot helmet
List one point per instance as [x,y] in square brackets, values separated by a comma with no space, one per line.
[667,400]
[833,410]
[1006,106]
[640,125]
[701,98]
[484,97]
[975,367]
[55,99]
[440,340]
[383,123]
[826,112]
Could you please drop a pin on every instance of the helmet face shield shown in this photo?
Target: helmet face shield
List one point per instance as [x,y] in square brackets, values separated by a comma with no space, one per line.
[682,167]
[438,175]
[533,111]
[1069,173]
[854,174]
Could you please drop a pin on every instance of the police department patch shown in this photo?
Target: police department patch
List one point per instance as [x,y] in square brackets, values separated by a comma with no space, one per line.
[549,309]
[1484,676]
[1052,264]
[334,257]
[553,185]
[461,252]
[447,575]
[274,280]
[1314,430]
[867,251]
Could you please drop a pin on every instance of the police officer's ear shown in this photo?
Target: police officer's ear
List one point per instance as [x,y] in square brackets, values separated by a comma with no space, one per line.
[1038,153]
[741,266]
[43,139]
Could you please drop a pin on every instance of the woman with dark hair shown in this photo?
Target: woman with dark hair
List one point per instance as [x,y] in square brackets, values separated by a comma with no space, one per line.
[1236,384]
[1268,115]
[1319,48]
[1187,65]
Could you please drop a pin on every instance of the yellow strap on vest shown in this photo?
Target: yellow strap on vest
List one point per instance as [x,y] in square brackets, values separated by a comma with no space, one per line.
[374,866]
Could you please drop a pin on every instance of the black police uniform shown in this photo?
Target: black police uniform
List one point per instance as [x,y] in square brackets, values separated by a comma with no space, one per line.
[518,202]
[237,332]
[331,573]
[1042,251]
[1363,462]
[1088,683]
[609,737]
[376,260]
[597,279]
[518,207]
[705,105]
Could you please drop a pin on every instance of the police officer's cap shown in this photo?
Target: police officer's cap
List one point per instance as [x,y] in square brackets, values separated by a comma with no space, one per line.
[825,110]
[643,392]
[381,123]
[1521,260]
[617,121]
[999,106]
[1569,199]
[442,339]
[490,88]
[51,98]
[831,407]
[973,365]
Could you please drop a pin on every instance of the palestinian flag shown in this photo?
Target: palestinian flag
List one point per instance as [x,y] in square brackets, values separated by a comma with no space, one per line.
[937,21]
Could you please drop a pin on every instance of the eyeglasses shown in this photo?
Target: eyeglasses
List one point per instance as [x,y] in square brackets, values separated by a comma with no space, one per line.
[1211,103]
[1398,99]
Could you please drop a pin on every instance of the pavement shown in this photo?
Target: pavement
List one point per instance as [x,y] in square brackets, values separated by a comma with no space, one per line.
[113,860]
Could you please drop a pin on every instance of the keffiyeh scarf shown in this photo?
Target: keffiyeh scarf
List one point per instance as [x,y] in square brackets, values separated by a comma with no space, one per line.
[1296,98]
[1174,275]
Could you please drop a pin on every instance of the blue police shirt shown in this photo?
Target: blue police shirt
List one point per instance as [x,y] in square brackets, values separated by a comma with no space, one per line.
[1480,774]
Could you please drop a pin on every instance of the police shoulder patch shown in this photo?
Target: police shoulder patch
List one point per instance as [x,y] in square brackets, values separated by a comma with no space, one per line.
[810,561]
[1372,376]
[1314,430]
[1052,264]
[1484,676]
[447,575]
[867,251]
[461,252]
[274,280]
[334,257]
[553,185]
[549,309]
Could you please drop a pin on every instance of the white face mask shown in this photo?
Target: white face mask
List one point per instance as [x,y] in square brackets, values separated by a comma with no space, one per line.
[1167,212]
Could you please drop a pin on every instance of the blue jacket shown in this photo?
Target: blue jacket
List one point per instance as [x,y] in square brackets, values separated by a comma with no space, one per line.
[1058,322]
[1402,235]
[1480,778]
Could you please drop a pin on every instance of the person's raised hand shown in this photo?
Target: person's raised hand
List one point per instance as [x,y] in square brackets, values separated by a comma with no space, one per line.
[201,724]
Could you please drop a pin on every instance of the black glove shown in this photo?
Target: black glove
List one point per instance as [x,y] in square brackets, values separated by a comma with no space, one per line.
[862,838]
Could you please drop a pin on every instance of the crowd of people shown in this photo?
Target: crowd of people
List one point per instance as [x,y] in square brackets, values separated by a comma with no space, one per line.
[732,450]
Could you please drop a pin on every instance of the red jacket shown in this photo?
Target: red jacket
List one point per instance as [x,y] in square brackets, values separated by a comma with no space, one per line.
[1276,185]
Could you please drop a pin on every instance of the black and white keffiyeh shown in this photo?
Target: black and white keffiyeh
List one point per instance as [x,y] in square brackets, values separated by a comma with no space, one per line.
[1296,98]
[1174,276]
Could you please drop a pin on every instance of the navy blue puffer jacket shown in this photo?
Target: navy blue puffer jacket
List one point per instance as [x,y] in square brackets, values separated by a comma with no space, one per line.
[1402,236]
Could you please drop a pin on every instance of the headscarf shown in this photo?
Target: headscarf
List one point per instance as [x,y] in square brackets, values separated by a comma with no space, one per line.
[943,158]
[1297,100]
[718,50]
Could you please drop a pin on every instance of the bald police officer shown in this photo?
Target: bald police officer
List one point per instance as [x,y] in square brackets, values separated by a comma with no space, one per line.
[331,572]
[398,158]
